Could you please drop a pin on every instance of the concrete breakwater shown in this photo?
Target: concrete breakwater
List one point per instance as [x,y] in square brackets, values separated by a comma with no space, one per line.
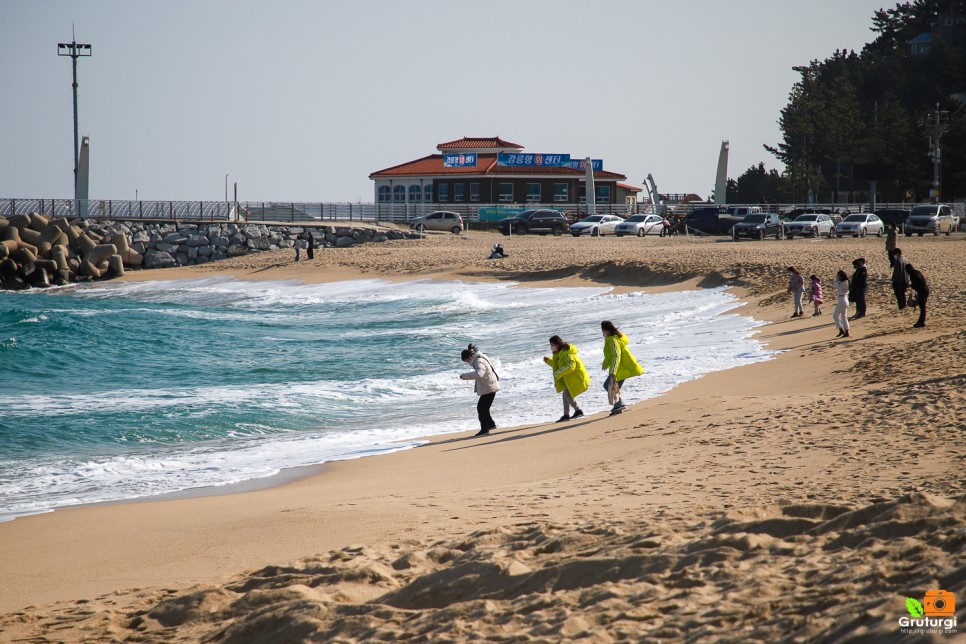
[38,250]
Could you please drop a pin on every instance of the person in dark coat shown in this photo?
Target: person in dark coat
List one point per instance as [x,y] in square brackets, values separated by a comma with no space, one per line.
[860,281]
[892,240]
[310,251]
[900,278]
[921,287]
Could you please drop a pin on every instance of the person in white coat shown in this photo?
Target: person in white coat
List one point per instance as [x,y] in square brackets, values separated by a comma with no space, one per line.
[841,312]
[487,383]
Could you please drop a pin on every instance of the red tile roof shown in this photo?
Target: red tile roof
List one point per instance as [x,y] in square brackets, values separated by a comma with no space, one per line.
[432,165]
[629,187]
[477,142]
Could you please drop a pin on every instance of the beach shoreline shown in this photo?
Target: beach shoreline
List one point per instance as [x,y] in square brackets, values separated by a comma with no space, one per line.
[411,496]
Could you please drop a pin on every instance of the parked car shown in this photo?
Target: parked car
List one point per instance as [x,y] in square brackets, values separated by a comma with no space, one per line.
[759,226]
[811,224]
[933,219]
[439,220]
[640,225]
[860,225]
[794,214]
[744,211]
[711,220]
[897,216]
[540,221]
[595,225]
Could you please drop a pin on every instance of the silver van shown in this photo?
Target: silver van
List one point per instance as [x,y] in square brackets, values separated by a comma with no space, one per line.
[933,219]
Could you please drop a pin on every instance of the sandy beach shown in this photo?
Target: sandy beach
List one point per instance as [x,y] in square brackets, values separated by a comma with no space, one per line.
[802,498]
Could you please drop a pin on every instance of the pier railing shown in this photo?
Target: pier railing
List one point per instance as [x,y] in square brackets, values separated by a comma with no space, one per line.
[290,211]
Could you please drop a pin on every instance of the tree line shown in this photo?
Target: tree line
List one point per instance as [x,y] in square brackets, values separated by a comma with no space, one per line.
[855,117]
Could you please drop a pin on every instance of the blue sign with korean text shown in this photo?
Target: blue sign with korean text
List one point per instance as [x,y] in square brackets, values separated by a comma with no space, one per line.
[533,160]
[581,164]
[458,160]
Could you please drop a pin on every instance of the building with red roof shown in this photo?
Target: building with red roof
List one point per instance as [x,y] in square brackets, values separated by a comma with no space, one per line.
[449,177]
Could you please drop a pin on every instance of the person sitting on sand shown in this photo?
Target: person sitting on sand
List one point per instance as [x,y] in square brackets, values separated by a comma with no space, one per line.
[796,286]
[498,252]
[619,363]
[570,377]
[841,312]
[486,385]
[815,294]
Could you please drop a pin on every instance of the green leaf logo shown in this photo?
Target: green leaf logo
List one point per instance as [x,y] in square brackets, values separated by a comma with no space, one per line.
[914,607]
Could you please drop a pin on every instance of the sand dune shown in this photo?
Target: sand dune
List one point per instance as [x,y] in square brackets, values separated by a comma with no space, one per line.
[800,499]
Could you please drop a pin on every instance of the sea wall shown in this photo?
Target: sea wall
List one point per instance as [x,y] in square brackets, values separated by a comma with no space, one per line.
[37,250]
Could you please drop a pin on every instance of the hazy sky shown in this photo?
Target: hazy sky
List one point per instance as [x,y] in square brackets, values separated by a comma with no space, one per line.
[302,100]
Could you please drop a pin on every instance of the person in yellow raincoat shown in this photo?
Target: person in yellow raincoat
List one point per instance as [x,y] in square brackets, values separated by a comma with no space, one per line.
[619,363]
[569,375]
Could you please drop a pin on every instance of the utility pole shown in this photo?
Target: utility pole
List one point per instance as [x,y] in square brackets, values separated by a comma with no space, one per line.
[938,121]
[74,50]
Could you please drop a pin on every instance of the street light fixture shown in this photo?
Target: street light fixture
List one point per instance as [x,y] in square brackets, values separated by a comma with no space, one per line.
[226,186]
[75,51]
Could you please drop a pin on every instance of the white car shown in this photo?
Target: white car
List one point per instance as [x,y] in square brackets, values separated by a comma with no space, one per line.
[812,224]
[860,225]
[439,220]
[639,225]
[595,225]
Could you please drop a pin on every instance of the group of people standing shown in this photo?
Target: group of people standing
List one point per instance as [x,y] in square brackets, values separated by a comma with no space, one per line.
[847,290]
[570,377]
[305,242]
[904,276]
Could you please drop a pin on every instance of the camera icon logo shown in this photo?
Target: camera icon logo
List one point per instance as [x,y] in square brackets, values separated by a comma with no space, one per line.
[939,603]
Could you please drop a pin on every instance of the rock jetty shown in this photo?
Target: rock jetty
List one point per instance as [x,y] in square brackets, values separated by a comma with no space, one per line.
[38,250]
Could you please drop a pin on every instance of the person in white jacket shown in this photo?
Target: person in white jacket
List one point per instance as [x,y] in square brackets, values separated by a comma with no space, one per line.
[841,312]
[486,385]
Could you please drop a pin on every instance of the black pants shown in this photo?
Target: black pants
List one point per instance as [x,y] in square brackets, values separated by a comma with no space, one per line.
[892,257]
[483,411]
[900,290]
[921,297]
[860,303]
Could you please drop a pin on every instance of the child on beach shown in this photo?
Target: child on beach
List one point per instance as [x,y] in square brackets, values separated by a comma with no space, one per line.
[619,363]
[570,377]
[796,286]
[486,385]
[815,294]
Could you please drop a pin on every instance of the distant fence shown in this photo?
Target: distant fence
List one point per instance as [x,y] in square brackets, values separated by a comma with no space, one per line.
[289,211]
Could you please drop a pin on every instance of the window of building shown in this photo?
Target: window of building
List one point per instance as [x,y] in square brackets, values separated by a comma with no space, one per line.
[458,191]
[415,194]
[506,192]
[384,193]
[443,192]
[428,194]
[474,192]
[560,192]
[533,192]
[603,194]
[399,193]
[582,194]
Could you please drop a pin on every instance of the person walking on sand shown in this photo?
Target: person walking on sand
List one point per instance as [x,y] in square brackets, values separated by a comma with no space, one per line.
[815,294]
[619,363]
[921,287]
[796,286]
[310,245]
[841,312]
[570,377]
[892,240]
[860,283]
[900,278]
[486,385]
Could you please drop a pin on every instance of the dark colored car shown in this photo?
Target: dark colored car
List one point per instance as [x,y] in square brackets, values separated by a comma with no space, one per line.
[539,221]
[711,220]
[895,216]
[759,226]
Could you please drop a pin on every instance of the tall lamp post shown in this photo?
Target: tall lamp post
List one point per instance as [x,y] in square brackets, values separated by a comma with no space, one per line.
[226,186]
[75,51]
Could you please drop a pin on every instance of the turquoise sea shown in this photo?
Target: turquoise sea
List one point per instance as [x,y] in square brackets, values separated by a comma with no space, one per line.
[115,391]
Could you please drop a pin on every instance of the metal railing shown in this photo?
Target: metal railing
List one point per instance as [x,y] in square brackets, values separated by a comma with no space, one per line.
[289,211]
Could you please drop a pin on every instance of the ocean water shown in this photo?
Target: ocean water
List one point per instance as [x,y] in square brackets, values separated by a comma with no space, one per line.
[124,390]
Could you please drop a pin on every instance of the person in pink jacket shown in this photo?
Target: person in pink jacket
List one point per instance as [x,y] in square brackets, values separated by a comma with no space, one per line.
[815,295]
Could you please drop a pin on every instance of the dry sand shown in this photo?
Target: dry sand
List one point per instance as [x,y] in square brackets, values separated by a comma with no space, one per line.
[802,498]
